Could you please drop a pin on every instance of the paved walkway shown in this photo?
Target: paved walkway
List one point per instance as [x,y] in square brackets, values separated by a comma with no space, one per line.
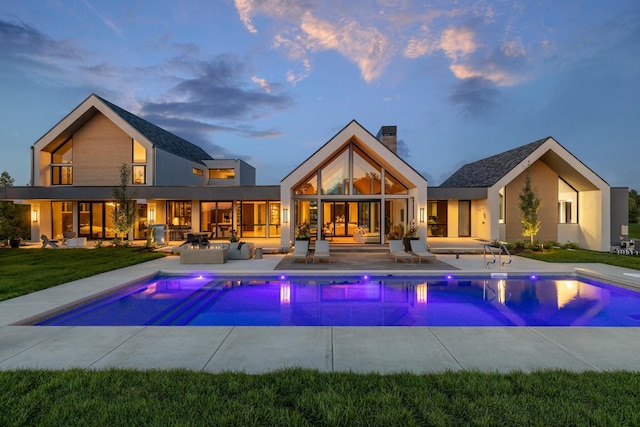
[358,349]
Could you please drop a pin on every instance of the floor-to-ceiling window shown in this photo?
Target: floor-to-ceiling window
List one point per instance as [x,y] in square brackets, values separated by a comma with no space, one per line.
[178,219]
[345,196]
[95,220]
[62,217]
[253,219]
[217,219]
[437,212]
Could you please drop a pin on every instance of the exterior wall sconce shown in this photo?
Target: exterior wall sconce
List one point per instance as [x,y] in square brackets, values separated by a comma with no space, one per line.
[152,215]
[421,214]
[285,215]
[34,215]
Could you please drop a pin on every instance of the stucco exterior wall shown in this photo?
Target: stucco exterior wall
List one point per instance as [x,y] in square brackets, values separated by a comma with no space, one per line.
[590,216]
[544,182]
[174,170]
[99,149]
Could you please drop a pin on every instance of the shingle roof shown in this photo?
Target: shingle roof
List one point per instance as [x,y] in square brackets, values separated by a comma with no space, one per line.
[159,137]
[486,172]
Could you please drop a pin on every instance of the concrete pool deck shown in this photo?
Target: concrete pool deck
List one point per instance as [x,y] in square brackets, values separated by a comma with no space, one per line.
[357,349]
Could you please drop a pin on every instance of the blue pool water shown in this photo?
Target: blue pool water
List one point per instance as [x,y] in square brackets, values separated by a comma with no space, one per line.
[359,301]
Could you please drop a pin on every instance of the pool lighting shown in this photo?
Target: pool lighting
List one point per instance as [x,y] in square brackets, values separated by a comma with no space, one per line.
[365,277]
[449,277]
[533,277]
[283,277]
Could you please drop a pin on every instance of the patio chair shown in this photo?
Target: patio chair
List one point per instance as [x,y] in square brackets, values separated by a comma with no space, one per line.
[300,250]
[396,249]
[419,249]
[322,251]
[46,241]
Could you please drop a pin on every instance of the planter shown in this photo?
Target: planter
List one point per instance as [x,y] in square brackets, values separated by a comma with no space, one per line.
[14,243]
[406,241]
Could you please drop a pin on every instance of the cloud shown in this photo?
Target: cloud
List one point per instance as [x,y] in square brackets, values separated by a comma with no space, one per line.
[367,47]
[215,91]
[20,42]
[107,22]
[475,96]
[262,83]
[458,42]
[218,96]
[244,8]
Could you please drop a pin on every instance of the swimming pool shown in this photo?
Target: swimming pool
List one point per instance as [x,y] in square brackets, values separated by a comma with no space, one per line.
[359,301]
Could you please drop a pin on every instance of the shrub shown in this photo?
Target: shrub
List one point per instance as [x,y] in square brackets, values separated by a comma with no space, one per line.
[571,245]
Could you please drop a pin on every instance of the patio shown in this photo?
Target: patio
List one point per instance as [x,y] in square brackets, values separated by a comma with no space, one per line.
[263,349]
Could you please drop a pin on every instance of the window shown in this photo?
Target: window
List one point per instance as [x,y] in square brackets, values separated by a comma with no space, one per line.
[335,175]
[393,186]
[309,187]
[61,164]
[501,206]
[139,153]
[216,218]
[567,203]
[222,173]
[138,174]
[139,160]
[197,171]
[62,175]
[179,213]
[366,174]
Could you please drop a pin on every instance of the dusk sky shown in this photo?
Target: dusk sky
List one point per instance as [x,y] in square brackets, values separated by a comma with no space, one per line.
[271,81]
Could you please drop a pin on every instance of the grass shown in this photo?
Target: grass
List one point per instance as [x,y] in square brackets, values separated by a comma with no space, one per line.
[303,397]
[23,271]
[634,231]
[584,256]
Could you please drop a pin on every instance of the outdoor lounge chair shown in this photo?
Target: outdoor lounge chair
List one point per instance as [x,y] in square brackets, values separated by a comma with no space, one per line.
[419,249]
[396,249]
[322,251]
[46,241]
[300,250]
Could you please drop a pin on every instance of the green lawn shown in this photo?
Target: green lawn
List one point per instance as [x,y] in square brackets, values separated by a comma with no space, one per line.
[23,271]
[581,255]
[304,398]
[634,231]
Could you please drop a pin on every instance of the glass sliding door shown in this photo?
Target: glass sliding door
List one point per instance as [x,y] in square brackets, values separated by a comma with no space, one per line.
[95,220]
[216,218]
[346,219]
[254,219]
[62,216]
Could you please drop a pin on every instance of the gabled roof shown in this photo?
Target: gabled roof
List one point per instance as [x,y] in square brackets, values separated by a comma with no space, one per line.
[161,138]
[487,172]
[355,129]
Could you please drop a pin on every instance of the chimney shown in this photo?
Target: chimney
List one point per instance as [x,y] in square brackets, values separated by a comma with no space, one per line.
[388,136]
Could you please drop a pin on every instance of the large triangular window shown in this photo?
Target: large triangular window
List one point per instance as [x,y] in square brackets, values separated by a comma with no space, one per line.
[366,174]
[335,175]
[310,186]
[393,186]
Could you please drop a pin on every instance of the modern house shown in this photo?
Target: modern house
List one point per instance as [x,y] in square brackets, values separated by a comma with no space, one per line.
[481,198]
[353,188]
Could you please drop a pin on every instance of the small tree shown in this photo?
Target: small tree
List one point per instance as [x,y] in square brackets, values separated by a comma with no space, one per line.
[634,207]
[529,206]
[14,219]
[124,213]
